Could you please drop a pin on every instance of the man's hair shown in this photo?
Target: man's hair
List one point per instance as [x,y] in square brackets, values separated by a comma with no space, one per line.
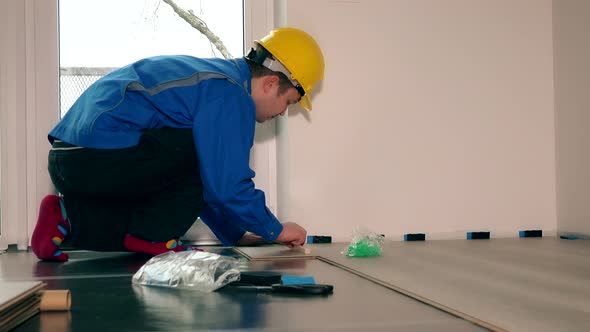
[257,70]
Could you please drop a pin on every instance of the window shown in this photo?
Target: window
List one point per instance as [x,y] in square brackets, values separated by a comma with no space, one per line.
[97,36]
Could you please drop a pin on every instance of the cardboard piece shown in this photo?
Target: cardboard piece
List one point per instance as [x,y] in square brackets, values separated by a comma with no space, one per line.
[55,300]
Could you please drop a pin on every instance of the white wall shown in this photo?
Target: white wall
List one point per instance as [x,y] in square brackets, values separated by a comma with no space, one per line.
[571,25]
[434,116]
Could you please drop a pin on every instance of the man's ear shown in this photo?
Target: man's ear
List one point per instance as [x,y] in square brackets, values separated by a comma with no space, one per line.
[269,82]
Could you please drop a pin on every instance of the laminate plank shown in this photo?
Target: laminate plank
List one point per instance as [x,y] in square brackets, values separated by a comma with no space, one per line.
[537,284]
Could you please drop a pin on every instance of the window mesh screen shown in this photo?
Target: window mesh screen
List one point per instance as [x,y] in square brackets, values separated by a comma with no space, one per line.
[74,80]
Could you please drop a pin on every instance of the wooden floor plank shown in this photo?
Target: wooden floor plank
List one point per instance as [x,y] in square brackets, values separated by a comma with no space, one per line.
[538,284]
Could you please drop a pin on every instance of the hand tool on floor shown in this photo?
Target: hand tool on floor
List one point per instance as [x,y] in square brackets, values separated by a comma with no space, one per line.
[307,289]
[275,282]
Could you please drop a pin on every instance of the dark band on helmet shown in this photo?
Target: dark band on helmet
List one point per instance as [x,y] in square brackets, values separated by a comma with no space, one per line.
[258,56]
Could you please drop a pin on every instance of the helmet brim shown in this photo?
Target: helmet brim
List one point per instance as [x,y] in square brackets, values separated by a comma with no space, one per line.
[305,102]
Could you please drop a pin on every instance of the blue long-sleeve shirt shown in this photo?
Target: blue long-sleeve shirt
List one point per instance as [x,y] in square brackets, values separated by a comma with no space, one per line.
[211,96]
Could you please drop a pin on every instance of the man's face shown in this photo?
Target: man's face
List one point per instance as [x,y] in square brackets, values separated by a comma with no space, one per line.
[271,103]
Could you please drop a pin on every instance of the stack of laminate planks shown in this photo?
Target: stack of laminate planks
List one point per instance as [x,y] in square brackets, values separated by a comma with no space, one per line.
[19,301]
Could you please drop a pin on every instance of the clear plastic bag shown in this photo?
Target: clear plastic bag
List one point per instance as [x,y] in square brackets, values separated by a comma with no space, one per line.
[195,270]
[364,243]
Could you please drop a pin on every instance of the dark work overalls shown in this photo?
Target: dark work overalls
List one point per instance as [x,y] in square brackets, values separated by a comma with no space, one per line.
[112,192]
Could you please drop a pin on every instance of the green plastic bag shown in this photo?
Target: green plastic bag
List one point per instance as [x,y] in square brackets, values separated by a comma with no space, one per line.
[365,244]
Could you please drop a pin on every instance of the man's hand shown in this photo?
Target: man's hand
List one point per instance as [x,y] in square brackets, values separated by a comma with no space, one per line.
[292,235]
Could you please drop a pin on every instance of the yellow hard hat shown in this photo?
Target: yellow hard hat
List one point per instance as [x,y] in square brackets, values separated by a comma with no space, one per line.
[301,56]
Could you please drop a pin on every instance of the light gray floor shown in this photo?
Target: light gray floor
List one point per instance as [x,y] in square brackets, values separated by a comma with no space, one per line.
[536,284]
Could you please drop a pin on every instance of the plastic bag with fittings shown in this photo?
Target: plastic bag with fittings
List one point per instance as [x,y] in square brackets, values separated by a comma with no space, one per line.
[364,243]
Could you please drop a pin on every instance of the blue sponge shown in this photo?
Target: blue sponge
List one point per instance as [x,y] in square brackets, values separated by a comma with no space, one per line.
[297,280]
